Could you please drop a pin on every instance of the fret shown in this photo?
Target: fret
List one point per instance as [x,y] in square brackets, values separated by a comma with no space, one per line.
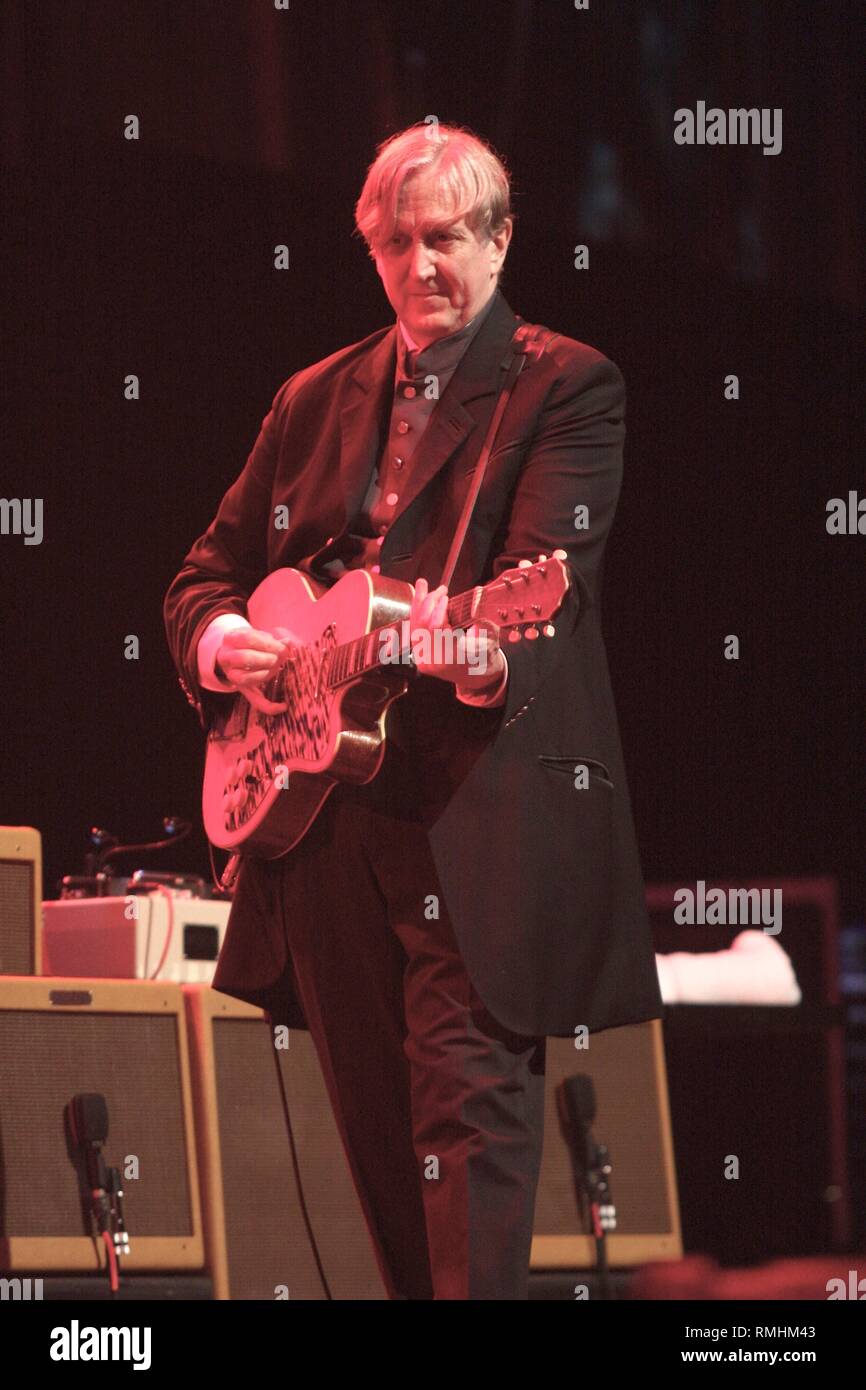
[460,609]
[361,654]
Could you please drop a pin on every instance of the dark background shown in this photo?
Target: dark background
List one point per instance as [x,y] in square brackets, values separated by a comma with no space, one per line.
[155,257]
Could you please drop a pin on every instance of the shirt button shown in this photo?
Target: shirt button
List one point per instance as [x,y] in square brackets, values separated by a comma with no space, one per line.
[410,392]
[398,462]
[374,569]
[392,499]
[403,427]
[382,530]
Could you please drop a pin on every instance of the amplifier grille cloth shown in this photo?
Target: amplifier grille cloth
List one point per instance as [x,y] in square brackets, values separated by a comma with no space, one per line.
[132,1059]
[620,1062]
[266,1236]
[16,917]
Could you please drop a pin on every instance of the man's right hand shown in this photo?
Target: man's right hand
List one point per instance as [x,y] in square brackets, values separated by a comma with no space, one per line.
[247,659]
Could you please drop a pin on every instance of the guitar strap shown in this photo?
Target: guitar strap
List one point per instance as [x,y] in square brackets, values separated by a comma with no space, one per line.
[527,345]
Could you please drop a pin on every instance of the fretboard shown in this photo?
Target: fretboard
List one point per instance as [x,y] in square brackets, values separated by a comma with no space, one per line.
[363,654]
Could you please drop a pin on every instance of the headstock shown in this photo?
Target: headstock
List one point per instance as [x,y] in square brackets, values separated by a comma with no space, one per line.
[519,599]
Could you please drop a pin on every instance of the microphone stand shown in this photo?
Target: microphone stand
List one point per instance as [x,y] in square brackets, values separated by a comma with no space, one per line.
[596,1186]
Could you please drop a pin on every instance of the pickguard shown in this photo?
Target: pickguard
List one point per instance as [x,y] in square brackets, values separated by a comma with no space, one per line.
[304,731]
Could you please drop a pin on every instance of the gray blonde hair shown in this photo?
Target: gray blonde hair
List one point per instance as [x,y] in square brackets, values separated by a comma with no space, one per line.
[471,180]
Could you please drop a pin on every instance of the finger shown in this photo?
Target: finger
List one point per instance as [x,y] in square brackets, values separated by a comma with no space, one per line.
[251,639]
[423,614]
[434,616]
[243,678]
[432,612]
[250,663]
[420,610]
[489,629]
[435,613]
[260,701]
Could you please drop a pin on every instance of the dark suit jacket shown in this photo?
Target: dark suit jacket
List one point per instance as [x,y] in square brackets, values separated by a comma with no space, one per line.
[542,881]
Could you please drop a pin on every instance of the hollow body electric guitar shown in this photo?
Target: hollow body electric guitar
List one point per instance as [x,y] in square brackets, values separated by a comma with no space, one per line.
[267,775]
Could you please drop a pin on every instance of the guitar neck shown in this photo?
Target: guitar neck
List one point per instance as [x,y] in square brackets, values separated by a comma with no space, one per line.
[362,654]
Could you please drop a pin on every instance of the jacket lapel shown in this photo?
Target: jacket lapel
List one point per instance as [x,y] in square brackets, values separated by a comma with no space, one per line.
[371,388]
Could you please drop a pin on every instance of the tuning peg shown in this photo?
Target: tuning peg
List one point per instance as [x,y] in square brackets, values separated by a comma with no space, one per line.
[549,629]
[559,555]
[514,635]
[531,633]
[524,564]
[540,558]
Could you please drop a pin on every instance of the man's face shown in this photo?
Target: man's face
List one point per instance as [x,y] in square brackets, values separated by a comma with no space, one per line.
[436,272]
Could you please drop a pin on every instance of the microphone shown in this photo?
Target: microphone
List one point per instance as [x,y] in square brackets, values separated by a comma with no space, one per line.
[591,1166]
[89,1116]
[577,1103]
[88,1121]
[89,1124]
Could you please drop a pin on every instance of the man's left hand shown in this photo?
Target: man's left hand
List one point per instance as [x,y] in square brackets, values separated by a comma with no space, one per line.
[472,660]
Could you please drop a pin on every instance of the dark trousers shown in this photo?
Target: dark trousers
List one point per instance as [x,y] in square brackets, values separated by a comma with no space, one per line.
[440,1108]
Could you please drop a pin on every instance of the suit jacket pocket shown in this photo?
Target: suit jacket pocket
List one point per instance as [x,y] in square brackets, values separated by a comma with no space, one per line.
[577,839]
[560,762]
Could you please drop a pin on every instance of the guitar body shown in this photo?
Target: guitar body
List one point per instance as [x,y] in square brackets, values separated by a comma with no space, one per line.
[266,776]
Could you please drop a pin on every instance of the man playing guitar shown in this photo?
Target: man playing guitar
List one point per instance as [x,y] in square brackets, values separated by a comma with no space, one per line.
[482,890]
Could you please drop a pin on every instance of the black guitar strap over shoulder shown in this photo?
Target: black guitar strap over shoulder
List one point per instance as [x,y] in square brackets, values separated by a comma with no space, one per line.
[526,346]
